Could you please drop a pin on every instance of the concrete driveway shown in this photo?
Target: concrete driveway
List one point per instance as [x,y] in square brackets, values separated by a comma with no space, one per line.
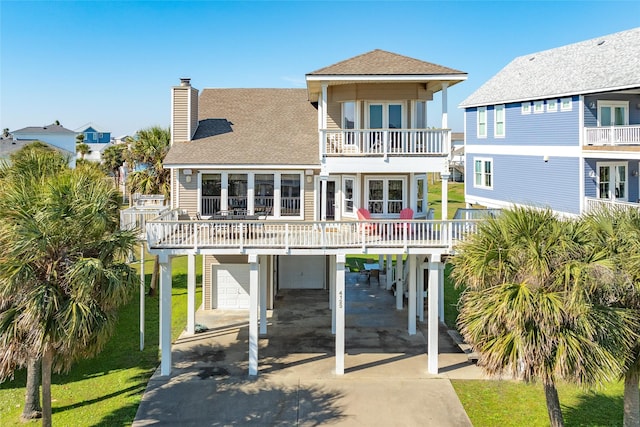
[385,382]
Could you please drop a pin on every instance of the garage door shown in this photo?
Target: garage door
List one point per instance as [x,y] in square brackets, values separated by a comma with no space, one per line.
[231,286]
[302,272]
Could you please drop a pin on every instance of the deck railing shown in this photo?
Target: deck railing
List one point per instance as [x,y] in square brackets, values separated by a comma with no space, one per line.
[592,204]
[384,142]
[612,135]
[136,217]
[168,232]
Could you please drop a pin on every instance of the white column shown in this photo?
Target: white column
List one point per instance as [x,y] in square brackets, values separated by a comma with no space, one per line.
[445,195]
[263,294]
[399,284]
[421,291]
[332,291]
[323,198]
[340,308]
[142,295]
[411,305]
[389,271]
[432,329]
[324,105]
[253,314]
[441,292]
[165,314]
[250,193]
[445,108]
[191,294]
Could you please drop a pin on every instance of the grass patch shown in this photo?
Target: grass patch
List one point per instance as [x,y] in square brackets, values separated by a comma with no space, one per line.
[455,198]
[106,390]
[510,403]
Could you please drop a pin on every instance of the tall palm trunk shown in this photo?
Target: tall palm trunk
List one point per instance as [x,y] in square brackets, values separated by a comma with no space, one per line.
[631,399]
[553,405]
[47,363]
[32,408]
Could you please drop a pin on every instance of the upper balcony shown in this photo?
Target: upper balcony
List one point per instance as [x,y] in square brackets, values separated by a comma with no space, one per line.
[385,142]
[612,138]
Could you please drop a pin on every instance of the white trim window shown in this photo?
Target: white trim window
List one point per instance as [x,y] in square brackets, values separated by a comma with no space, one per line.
[482,122]
[612,180]
[538,107]
[349,195]
[565,104]
[385,115]
[526,107]
[552,105]
[385,196]
[420,195]
[499,121]
[613,113]
[349,119]
[483,173]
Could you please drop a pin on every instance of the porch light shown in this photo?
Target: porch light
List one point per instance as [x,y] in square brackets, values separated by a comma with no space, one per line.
[634,173]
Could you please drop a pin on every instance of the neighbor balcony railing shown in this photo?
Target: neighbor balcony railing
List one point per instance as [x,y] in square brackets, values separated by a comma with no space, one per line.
[167,232]
[612,135]
[384,142]
[592,204]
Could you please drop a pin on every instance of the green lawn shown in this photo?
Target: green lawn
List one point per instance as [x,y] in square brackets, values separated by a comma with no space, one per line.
[455,200]
[106,390]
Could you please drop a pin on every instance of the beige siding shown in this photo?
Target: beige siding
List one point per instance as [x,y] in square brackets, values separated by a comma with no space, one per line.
[308,199]
[188,191]
[379,92]
[180,119]
[334,115]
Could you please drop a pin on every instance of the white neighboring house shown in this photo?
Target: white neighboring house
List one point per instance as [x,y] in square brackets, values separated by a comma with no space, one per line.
[95,151]
[55,135]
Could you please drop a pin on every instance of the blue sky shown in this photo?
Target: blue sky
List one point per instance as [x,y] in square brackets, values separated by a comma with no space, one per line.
[113,63]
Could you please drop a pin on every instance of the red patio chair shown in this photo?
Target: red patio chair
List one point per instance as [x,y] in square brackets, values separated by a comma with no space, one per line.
[364,215]
[406,213]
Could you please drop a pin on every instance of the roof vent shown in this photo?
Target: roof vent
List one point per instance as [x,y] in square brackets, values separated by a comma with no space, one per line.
[185,81]
[601,42]
[532,58]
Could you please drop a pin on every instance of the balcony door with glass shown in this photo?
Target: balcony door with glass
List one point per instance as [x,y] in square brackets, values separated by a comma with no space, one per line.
[612,181]
[384,116]
[613,113]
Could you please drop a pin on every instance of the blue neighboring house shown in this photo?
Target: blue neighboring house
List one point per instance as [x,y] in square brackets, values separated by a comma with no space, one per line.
[92,135]
[558,128]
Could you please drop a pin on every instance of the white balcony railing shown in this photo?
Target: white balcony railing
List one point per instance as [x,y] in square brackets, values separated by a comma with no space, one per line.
[592,204]
[167,232]
[384,142]
[612,135]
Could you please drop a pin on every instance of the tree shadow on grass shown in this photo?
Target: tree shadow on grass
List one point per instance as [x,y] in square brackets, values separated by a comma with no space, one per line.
[594,409]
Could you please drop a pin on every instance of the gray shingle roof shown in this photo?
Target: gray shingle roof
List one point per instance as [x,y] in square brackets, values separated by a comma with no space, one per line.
[52,128]
[605,63]
[380,62]
[251,127]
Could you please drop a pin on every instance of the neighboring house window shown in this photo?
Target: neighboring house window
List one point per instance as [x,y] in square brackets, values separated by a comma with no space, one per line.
[211,191]
[385,195]
[613,113]
[612,180]
[421,194]
[526,108]
[538,107]
[348,195]
[483,173]
[498,130]
[565,104]
[552,105]
[482,122]
[349,115]
[290,194]
[263,188]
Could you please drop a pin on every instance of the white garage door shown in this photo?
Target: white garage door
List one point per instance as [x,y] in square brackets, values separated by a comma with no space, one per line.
[230,286]
[302,272]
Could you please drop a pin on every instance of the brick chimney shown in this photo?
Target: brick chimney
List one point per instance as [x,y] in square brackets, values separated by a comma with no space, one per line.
[184,111]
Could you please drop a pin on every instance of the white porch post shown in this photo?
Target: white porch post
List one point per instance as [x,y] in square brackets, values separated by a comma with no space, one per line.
[445,107]
[441,292]
[165,314]
[399,284]
[421,268]
[389,275]
[191,294]
[445,195]
[332,291]
[339,309]
[263,294]
[411,306]
[142,295]
[253,314]
[432,330]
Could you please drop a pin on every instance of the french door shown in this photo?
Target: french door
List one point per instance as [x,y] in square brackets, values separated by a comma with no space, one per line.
[612,181]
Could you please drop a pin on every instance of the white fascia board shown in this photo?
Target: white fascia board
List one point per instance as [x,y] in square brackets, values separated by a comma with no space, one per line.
[525,150]
[388,77]
[551,96]
[239,166]
[502,204]
[611,155]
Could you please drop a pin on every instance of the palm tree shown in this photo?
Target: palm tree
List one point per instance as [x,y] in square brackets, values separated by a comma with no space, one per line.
[63,274]
[113,159]
[536,303]
[82,149]
[617,233]
[147,151]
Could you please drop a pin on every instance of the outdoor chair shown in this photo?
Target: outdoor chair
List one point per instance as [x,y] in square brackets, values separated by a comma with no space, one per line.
[369,228]
[401,227]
